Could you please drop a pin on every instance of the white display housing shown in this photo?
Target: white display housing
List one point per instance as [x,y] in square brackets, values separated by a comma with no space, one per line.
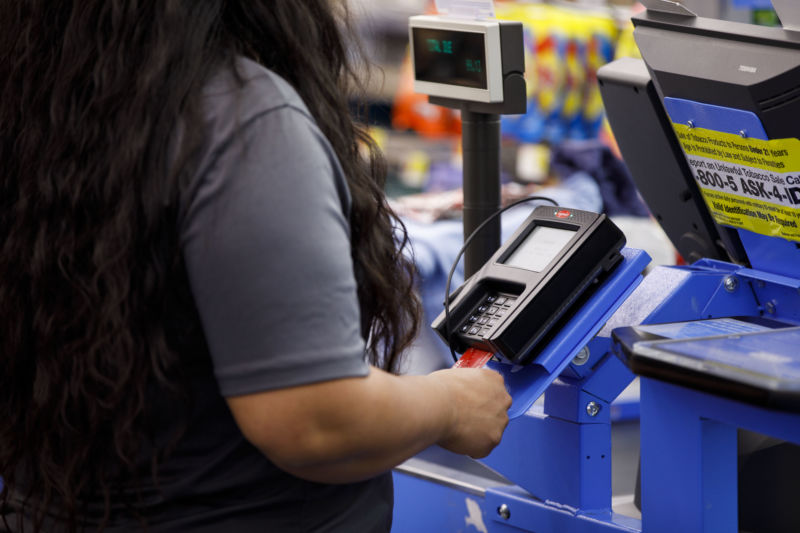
[490,30]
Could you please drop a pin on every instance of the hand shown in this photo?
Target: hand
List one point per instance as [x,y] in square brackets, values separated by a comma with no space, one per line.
[479,404]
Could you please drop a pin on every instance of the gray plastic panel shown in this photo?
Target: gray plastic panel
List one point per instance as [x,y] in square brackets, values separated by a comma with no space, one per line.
[657,164]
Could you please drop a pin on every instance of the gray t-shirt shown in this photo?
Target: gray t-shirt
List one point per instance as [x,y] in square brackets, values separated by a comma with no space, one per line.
[266,241]
[267,300]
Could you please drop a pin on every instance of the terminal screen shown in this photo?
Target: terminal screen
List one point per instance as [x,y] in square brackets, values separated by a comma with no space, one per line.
[449,57]
[539,248]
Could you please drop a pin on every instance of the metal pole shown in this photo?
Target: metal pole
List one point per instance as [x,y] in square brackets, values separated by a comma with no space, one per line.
[480,138]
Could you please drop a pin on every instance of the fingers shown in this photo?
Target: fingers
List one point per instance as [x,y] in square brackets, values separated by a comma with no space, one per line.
[480,402]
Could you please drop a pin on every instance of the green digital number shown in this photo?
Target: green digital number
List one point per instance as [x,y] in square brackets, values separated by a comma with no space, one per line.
[473,65]
[440,47]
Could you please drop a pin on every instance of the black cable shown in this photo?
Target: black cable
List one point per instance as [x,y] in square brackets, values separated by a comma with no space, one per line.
[467,241]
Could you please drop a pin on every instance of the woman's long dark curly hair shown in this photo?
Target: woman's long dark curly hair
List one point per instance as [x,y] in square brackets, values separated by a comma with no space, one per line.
[89,183]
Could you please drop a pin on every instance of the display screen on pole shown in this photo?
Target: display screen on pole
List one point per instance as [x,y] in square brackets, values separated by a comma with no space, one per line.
[450,57]
[539,248]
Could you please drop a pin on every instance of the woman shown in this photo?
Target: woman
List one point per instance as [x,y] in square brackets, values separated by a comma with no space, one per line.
[201,294]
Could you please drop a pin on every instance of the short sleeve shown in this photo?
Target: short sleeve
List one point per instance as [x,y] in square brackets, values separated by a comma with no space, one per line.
[267,249]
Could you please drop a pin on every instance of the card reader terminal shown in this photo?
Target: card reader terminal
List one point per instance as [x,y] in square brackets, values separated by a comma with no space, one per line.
[513,304]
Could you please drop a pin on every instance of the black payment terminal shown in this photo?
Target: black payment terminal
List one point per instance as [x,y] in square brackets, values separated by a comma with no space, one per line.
[518,298]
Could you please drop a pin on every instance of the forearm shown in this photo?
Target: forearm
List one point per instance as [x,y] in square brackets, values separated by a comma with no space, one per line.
[351,470]
[356,428]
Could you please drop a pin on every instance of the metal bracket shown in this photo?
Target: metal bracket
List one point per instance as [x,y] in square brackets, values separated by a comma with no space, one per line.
[472,9]
[789,13]
[668,6]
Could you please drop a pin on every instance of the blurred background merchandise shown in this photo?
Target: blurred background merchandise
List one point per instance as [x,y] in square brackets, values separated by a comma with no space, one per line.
[562,146]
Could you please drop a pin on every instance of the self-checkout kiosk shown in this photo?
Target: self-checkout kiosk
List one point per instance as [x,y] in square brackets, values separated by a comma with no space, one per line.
[708,124]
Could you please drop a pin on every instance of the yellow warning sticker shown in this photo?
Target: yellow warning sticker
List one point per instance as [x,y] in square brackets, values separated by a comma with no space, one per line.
[747,183]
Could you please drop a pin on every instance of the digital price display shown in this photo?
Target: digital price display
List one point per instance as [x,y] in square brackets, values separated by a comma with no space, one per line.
[518,300]
[450,57]
[465,59]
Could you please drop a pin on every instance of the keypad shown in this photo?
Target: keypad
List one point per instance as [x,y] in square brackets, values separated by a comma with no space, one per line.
[486,315]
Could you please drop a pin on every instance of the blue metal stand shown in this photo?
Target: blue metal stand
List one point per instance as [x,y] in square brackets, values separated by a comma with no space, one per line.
[559,458]
[689,438]
[526,384]
[689,451]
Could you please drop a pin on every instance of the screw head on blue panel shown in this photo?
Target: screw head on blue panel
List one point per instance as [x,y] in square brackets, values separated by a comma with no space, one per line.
[504,512]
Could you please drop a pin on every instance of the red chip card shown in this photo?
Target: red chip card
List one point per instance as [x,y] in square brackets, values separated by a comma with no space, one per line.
[473,358]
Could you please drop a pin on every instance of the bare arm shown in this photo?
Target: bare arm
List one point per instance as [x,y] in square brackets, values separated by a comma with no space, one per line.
[351,429]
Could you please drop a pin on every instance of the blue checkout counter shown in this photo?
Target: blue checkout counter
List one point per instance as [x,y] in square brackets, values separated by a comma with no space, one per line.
[708,124]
